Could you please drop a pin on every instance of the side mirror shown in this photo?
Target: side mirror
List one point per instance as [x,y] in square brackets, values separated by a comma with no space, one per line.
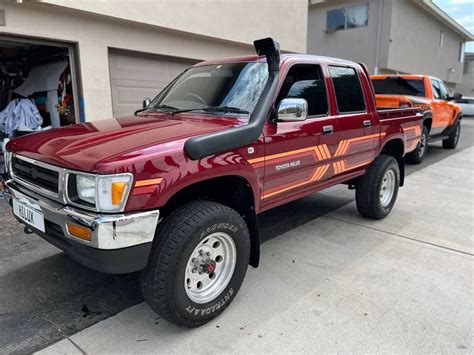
[456,96]
[290,110]
[146,102]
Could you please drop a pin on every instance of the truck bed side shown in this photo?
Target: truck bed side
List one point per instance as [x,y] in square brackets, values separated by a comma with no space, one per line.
[402,124]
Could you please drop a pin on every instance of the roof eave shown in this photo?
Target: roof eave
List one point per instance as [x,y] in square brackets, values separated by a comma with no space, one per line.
[432,8]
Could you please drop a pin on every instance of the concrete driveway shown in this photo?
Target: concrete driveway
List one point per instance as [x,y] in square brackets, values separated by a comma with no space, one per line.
[338,283]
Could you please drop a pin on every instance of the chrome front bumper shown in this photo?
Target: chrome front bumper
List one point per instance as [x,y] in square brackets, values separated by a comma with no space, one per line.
[110,232]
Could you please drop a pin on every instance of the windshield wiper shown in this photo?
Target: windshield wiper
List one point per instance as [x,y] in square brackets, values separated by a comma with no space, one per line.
[224,109]
[157,108]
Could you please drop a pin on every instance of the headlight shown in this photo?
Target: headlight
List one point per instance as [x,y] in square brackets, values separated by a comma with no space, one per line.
[106,193]
[85,187]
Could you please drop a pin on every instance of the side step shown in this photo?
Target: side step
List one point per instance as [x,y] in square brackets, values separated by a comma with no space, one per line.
[438,137]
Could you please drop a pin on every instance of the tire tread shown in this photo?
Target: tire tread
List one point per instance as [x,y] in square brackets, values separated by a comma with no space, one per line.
[169,241]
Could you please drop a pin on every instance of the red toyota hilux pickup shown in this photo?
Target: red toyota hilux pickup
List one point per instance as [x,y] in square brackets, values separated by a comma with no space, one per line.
[175,190]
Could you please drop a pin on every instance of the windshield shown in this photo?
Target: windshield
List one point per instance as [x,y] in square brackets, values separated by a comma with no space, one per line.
[233,86]
[400,86]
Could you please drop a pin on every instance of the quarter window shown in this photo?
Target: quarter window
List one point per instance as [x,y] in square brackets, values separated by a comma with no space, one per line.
[436,90]
[306,82]
[349,95]
[443,90]
[349,16]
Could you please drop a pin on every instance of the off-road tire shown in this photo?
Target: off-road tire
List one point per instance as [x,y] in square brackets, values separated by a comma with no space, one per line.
[368,189]
[452,141]
[417,156]
[163,279]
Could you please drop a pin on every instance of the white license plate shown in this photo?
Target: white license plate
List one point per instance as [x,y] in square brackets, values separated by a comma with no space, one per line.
[29,215]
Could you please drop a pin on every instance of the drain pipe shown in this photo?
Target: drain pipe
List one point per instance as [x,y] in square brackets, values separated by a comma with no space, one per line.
[203,146]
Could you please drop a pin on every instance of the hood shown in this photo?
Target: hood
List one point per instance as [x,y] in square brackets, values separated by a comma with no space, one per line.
[98,146]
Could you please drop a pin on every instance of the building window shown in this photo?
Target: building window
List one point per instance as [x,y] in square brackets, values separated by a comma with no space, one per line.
[350,16]
[441,39]
[461,52]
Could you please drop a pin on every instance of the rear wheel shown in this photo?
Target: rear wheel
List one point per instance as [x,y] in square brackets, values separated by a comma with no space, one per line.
[198,263]
[452,141]
[377,190]
[417,156]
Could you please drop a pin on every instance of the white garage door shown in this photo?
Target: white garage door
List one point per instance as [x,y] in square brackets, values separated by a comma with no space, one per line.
[136,76]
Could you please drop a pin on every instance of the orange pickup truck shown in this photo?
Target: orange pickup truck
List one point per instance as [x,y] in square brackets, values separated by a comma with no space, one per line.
[442,117]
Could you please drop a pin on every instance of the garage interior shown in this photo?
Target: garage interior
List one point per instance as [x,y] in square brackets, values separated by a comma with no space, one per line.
[36,89]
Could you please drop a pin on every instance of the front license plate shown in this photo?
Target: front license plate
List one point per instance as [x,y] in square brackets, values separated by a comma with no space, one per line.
[29,215]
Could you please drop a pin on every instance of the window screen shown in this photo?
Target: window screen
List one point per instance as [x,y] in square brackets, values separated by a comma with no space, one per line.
[349,94]
[306,82]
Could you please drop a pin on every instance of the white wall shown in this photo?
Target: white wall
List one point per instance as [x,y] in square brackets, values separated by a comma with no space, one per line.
[235,20]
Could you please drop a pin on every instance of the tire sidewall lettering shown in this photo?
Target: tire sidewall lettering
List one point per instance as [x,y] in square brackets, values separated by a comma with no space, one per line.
[196,311]
[218,223]
[219,226]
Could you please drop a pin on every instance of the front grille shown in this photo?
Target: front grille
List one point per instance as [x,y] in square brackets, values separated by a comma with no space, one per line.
[35,175]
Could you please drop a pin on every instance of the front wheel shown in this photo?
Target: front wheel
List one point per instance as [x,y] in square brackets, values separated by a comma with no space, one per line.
[452,141]
[377,190]
[198,263]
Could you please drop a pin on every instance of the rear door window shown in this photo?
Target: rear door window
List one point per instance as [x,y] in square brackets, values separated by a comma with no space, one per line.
[349,95]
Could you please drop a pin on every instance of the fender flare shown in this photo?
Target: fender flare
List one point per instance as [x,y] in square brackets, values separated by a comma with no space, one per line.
[428,115]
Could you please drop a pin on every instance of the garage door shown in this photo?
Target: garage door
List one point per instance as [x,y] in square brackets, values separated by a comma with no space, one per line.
[136,76]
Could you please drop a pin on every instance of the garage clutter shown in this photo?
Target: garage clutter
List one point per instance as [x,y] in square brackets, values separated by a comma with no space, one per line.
[36,90]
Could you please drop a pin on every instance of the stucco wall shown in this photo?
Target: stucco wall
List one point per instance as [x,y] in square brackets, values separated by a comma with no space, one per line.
[357,44]
[408,40]
[93,35]
[236,20]
[467,86]
[414,46]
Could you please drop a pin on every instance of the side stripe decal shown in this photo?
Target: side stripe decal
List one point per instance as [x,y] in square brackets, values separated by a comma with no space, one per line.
[322,154]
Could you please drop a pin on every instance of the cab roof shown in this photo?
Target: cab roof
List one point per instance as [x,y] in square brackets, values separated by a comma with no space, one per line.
[283,58]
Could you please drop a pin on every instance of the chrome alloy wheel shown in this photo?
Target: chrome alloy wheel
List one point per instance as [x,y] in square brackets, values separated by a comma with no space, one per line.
[210,267]
[387,188]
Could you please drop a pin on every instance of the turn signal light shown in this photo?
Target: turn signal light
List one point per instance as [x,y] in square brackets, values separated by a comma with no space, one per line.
[118,188]
[80,232]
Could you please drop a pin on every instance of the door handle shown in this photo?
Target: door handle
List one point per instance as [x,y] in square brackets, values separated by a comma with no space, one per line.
[328,129]
[367,123]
